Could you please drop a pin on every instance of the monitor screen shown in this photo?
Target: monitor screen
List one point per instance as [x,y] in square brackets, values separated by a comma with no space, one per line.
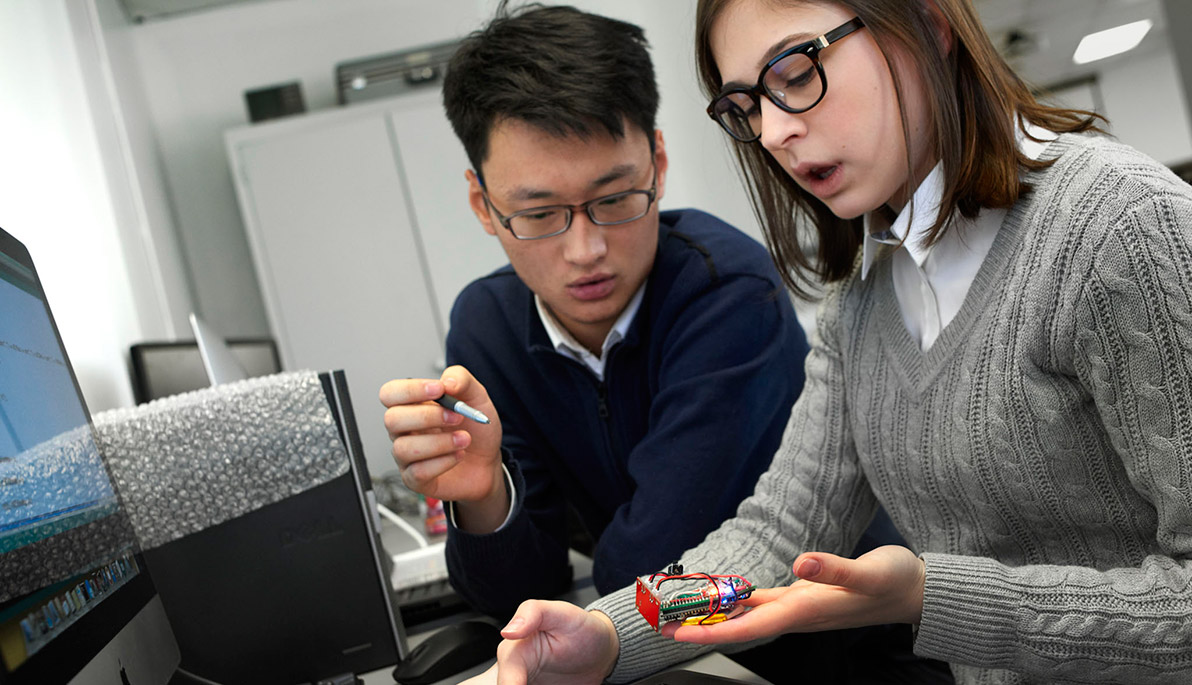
[73,576]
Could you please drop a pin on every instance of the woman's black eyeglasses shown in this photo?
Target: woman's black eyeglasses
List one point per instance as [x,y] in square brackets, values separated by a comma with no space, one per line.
[794,81]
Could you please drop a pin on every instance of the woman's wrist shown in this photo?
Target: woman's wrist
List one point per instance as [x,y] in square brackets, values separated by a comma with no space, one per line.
[613,648]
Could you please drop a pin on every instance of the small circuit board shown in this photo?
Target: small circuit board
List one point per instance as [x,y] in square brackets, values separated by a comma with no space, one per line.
[694,598]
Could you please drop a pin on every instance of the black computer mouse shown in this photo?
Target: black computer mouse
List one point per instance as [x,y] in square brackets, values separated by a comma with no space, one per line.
[451,649]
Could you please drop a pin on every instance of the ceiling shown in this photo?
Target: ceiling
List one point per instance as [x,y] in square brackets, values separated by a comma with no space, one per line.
[142,10]
[1049,31]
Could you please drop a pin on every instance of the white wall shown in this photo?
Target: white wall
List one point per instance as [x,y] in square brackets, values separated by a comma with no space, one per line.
[196,68]
[115,174]
[56,194]
[159,274]
[1144,101]
[1179,23]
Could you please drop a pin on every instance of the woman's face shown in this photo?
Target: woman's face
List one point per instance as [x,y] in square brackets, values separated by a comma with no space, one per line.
[849,150]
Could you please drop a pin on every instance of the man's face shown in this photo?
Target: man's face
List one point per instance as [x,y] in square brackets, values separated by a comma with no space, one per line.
[587,275]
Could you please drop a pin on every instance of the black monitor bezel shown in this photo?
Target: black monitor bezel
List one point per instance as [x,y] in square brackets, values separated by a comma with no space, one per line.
[80,642]
[140,374]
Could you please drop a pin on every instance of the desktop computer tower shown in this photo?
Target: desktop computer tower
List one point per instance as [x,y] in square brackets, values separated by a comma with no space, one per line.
[295,591]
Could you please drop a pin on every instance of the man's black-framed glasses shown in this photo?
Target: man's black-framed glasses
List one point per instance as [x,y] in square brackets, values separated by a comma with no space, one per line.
[793,80]
[610,210]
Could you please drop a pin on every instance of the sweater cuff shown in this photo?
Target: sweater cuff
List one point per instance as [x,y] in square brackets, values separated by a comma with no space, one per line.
[642,651]
[970,605]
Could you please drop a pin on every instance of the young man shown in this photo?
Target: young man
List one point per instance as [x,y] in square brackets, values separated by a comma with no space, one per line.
[637,365]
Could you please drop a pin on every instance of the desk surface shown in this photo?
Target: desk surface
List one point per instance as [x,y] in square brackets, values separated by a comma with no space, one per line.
[713,663]
[581,594]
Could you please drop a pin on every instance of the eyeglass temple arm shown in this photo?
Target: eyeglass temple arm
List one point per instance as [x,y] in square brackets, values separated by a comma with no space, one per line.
[838,33]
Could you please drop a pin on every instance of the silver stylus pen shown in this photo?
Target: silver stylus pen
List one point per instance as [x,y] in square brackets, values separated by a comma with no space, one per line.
[459,407]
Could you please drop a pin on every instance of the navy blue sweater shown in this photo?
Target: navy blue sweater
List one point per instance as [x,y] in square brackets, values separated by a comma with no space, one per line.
[693,404]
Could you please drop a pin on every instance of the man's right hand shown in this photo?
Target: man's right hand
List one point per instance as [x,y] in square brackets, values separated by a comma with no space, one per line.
[443,455]
[556,642]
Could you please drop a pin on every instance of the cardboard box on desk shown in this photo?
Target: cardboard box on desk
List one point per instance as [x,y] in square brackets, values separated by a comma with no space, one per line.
[253,506]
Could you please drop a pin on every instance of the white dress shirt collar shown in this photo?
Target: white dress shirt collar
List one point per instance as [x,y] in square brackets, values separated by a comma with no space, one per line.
[566,344]
[911,225]
[932,282]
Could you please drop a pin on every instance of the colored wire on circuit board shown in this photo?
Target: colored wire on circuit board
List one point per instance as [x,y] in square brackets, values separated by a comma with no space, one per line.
[716,594]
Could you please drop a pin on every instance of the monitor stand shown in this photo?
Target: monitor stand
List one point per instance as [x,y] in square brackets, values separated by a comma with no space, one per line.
[144,651]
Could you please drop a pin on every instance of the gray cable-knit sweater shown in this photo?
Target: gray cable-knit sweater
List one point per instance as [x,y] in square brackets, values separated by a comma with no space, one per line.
[1038,456]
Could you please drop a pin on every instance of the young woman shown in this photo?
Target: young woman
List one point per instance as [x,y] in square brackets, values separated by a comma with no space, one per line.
[1003,360]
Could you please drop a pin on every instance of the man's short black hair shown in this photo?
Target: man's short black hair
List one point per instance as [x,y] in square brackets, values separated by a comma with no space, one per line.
[564,71]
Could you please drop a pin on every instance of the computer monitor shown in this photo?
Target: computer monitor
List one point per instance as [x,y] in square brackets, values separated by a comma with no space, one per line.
[297,590]
[76,602]
[161,369]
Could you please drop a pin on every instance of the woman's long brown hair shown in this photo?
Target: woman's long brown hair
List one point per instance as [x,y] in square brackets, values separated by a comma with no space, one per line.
[973,96]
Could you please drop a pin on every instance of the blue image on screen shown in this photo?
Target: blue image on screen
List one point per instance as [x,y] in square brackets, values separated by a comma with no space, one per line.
[52,477]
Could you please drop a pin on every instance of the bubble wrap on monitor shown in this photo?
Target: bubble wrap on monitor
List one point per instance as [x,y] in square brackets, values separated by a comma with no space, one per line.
[66,544]
[188,462]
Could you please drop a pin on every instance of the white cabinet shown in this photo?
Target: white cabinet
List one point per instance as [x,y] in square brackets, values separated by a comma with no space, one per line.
[361,236]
